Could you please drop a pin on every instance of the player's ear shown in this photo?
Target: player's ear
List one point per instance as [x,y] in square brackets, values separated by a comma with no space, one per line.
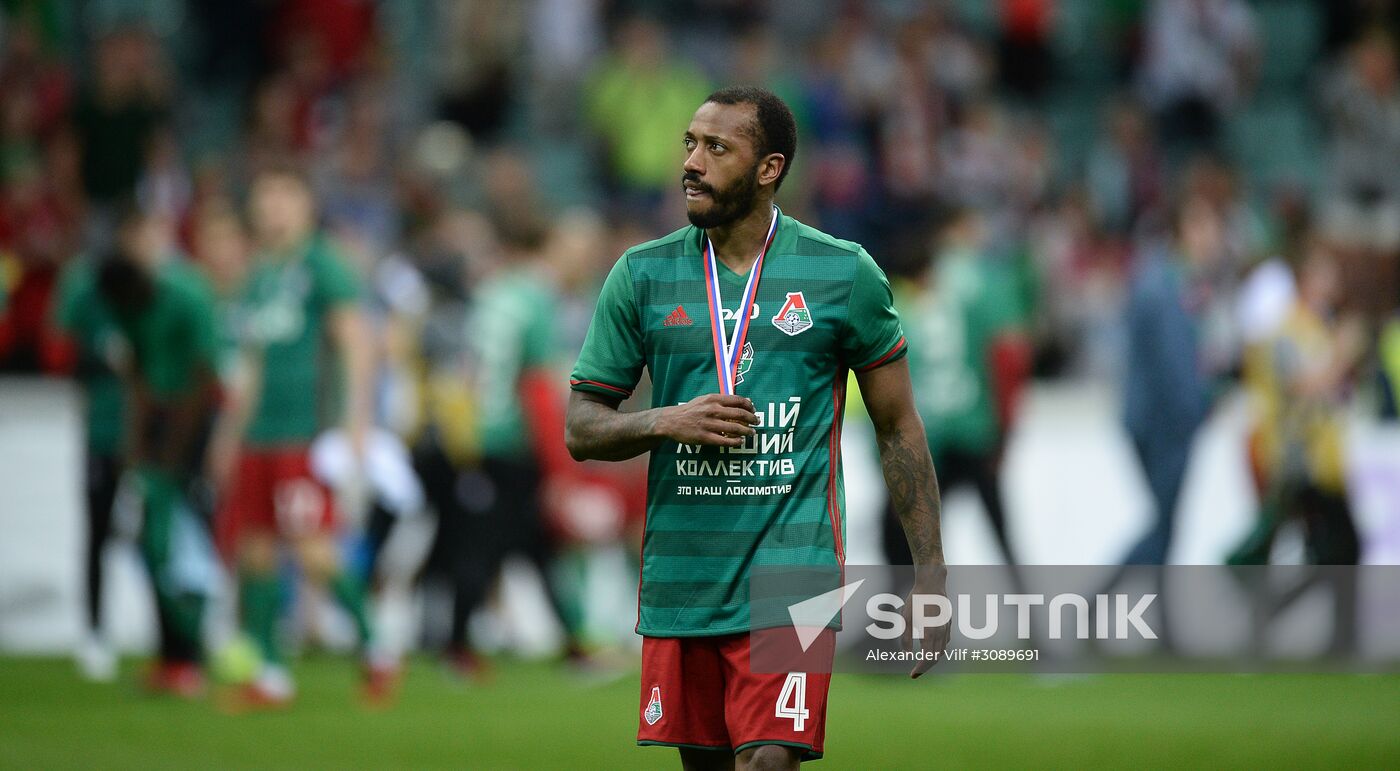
[770,168]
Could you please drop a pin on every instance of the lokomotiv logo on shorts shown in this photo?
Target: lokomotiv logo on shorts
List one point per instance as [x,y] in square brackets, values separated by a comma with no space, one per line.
[652,714]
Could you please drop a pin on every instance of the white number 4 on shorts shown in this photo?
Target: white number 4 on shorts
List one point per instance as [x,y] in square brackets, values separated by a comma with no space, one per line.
[792,702]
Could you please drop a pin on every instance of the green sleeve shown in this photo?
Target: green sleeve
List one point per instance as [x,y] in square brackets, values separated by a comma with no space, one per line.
[612,356]
[336,284]
[204,329]
[877,338]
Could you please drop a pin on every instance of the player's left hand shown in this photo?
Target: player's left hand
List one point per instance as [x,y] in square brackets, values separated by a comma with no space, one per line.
[928,580]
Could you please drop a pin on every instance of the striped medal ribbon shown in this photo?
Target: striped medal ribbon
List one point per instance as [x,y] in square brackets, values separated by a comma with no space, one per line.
[728,352]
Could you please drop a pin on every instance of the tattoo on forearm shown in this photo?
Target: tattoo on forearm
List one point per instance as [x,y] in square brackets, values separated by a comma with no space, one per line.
[913,489]
[599,432]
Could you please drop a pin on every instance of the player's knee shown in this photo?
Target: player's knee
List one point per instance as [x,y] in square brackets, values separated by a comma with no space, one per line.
[770,757]
[257,554]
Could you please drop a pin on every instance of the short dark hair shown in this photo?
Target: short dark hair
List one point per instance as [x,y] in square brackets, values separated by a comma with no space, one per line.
[123,283]
[774,128]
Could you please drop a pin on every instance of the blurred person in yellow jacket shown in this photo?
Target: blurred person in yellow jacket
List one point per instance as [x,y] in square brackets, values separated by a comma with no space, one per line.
[1300,380]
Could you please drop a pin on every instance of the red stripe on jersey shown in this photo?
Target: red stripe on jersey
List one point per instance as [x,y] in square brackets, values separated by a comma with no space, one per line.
[622,391]
[641,566]
[899,346]
[833,506]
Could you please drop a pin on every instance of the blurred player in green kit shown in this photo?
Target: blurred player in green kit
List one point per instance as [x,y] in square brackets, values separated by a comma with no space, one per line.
[91,352]
[299,305]
[164,313]
[963,321]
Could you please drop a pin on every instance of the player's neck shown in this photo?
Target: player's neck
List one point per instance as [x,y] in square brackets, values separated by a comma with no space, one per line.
[737,243]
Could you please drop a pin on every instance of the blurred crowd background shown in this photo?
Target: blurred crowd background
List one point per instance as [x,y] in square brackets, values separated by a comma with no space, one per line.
[1024,170]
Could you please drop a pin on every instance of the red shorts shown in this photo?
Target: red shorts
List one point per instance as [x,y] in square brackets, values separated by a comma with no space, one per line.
[700,692]
[275,491]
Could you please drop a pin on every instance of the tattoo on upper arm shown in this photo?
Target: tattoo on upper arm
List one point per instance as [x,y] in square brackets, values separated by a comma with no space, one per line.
[913,489]
[599,431]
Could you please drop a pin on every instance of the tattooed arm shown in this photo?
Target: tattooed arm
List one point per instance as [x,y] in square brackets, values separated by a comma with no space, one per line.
[905,458]
[596,430]
[913,489]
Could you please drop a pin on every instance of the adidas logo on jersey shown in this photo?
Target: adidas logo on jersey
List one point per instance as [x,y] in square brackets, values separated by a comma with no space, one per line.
[678,318]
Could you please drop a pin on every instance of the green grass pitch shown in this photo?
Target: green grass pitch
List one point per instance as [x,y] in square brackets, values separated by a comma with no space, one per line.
[541,716]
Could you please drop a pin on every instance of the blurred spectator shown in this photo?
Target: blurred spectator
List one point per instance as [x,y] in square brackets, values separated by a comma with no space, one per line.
[1343,23]
[912,117]
[1361,100]
[1167,392]
[1199,60]
[638,102]
[337,35]
[1125,175]
[355,179]
[36,89]
[116,117]
[565,37]
[233,44]
[480,41]
[35,228]
[1025,60]
[455,250]
[1301,378]
[1246,235]
[1082,269]
[274,133]
[842,173]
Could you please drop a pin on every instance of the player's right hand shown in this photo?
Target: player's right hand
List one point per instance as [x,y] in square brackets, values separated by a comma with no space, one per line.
[713,419]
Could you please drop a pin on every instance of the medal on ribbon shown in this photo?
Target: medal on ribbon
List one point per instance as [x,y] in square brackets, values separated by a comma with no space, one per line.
[728,351]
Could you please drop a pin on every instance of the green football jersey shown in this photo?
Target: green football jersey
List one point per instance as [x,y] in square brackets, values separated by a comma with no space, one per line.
[282,319]
[174,337]
[80,313]
[822,307]
[511,331]
[952,327]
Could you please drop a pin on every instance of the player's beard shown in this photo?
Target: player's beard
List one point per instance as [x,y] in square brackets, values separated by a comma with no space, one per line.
[726,205]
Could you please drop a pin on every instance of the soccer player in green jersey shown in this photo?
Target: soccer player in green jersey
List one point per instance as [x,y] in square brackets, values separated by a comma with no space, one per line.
[959,310]
[298,306]
[748,322]
[164,312]
[94,351]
